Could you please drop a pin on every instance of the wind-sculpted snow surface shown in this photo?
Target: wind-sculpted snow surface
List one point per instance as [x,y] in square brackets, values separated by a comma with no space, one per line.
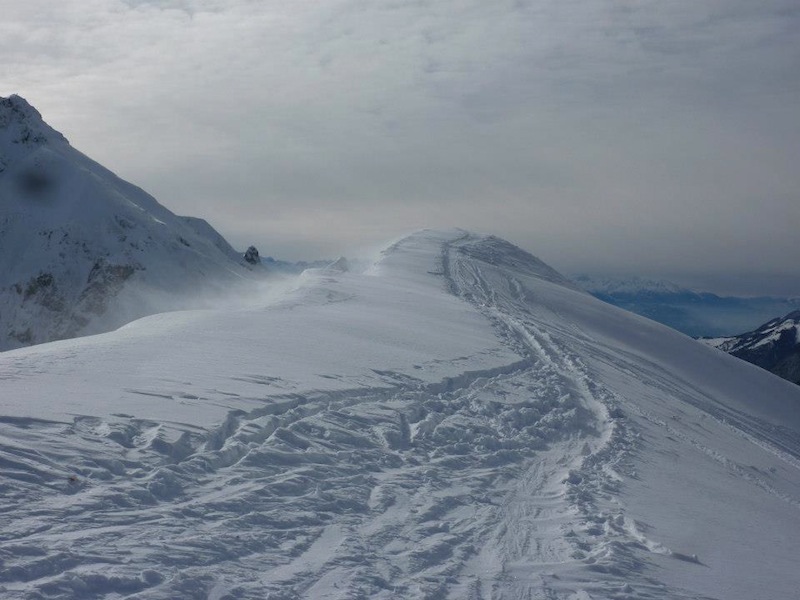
[458,422]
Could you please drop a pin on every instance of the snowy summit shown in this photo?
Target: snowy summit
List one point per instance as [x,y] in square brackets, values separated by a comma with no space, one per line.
[458,421]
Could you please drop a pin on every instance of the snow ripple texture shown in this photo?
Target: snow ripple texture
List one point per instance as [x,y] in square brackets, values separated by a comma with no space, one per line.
[506,482]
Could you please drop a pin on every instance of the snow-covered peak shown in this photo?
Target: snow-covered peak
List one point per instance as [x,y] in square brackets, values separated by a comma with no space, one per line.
[775,346]
[15,110]
[772,331]
[22,127]
[83,251]
[488,249]
[784,330]
[18,105]
[341,264]
[500,253]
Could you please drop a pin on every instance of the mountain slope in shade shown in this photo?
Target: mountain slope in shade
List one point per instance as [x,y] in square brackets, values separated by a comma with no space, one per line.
[691,312]
[82,251]
[775,346]
[456,422]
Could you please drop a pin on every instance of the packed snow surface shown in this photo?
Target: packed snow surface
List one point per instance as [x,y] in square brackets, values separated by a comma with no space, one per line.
[457,422]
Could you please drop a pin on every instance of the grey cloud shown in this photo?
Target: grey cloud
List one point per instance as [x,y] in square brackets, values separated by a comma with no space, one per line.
[614,135]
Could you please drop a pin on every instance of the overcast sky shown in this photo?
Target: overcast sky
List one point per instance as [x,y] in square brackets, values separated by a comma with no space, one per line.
[605,136]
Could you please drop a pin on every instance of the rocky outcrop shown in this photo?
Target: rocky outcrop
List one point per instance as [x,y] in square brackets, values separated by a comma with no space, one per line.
[251,256]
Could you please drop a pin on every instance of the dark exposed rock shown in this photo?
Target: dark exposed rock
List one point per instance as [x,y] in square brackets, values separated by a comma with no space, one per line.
[43,290]
[44,280]
[23,337]
[104,282]
[251,256]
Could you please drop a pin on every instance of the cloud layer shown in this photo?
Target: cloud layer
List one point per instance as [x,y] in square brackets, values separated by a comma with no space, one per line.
[603,135]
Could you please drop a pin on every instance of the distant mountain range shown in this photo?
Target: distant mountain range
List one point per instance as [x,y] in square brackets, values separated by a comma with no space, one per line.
[775,346]
[82,251]
[698,314]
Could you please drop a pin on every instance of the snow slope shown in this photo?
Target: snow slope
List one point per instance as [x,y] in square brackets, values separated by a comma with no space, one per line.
[457,422]
[82,251]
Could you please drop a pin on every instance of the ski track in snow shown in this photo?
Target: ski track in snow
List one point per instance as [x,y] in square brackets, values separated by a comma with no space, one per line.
[499,484]
[564,529]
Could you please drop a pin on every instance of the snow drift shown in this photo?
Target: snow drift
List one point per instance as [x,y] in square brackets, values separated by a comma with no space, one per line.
[457,422]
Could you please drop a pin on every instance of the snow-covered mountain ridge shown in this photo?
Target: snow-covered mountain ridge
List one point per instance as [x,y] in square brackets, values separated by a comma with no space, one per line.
[695,313]
[456,422]
[628,285]
[82,251]
[775,346]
